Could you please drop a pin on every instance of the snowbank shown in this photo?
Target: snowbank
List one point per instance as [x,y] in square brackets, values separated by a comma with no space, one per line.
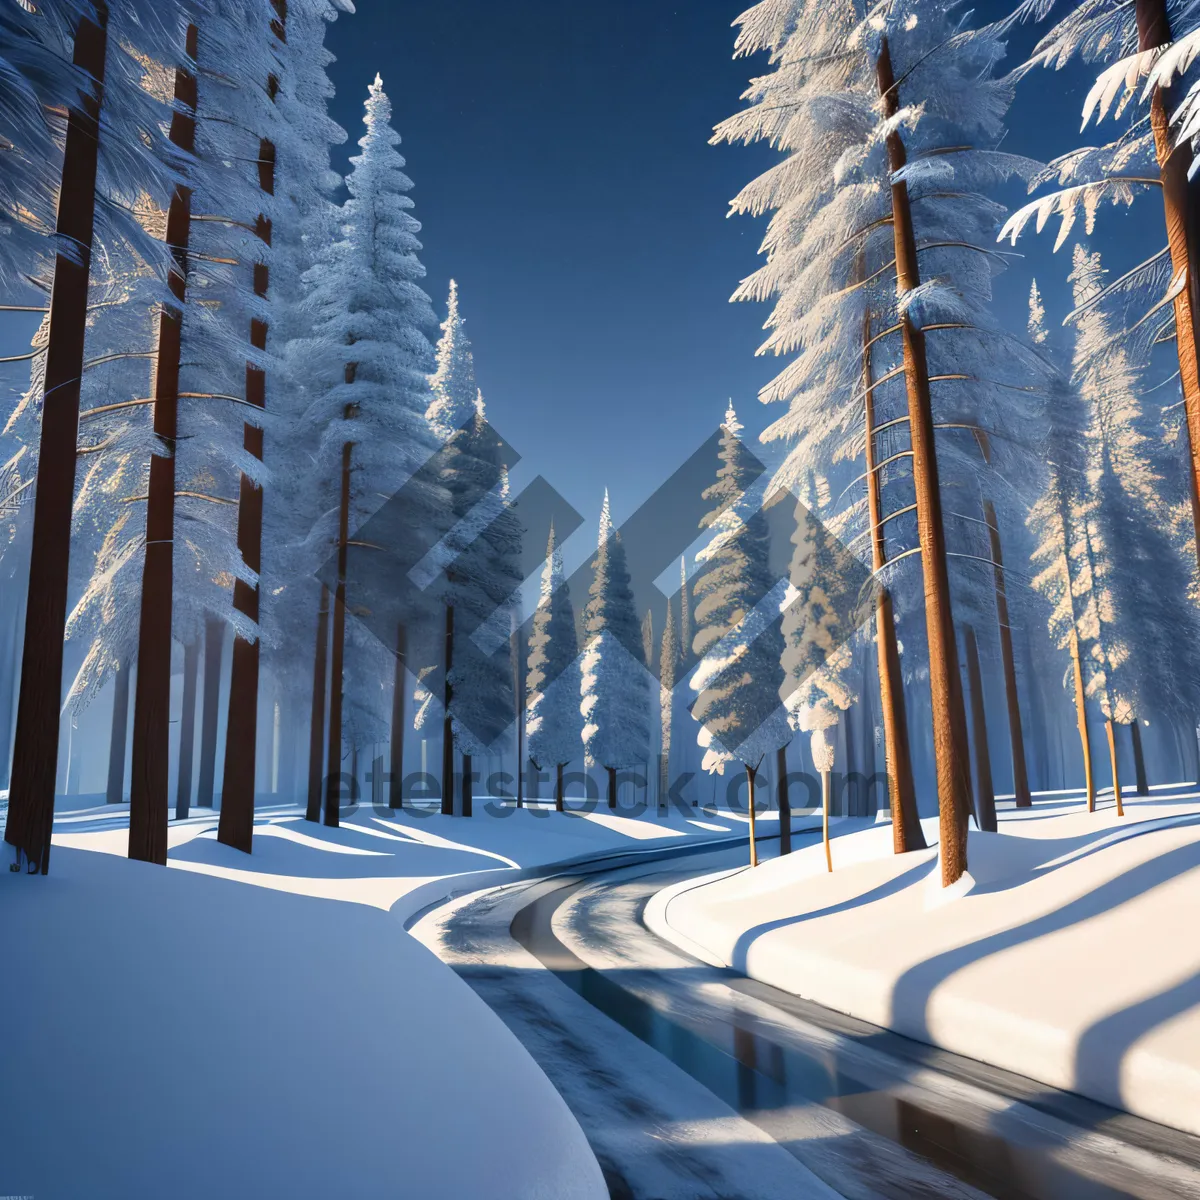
[1073,960]
[174,1035]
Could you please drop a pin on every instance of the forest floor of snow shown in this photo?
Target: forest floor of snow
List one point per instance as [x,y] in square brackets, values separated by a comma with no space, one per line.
[1073,959]
[174,1033]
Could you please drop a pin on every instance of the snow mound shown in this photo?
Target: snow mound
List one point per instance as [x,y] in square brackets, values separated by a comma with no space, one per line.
[178,1035]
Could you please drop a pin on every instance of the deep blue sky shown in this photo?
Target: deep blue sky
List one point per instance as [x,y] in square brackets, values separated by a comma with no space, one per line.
[563,176]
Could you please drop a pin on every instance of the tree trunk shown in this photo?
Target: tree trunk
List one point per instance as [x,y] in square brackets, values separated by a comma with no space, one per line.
[985,794]
[214,646]
[1139,759]
[750,776]
[149,778]
[785,805]
[116,742]
[825,819]
[612,786]
[1016,739]
[447,722]
[35,751]
[396,746]
[1174,164]
[1112,758]
[333,779]
[1081,721]
[467,791]
[187,730]
[316,726]
[558,789]
[519,705]
[945,687]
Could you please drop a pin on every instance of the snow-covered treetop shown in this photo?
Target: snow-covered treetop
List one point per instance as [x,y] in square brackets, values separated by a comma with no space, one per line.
[455,392]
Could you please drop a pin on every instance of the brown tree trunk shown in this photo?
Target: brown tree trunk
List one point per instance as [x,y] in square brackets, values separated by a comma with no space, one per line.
[750,776]
[1139,759]
[985,794]
[1016,738]
[612,786]
[116,743]
[1081,722]
[949,720]
[236,827]
[396,746]
[1112,758]
[558,789]
[316,726]
[187,730]
[214,645]
[785,805]
[333,779]
[825,820]
[448,722]
[467,791]
[1174,163]
[149,778]
[906,823]
[35,751]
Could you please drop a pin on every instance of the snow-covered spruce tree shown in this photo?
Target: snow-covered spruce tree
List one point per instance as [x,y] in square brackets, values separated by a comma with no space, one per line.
[817,627]
[615,684]
[1140,624]
[1055,521]
[902,105]
[1148,49]
[367,358]
[739,676]
[668,672]
[553,722]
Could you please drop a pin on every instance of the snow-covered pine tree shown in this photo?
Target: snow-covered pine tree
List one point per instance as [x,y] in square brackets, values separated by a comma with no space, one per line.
[1148,49]
[553,722]
[1140,624]
[367,359]
[818,656]
[739,677]
[615,685]
[668,671]
[1054,519]
[867,260]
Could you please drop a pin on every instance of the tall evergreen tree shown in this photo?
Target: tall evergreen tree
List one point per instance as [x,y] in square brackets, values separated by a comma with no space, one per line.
[554,724]
[615,684]
[738,638]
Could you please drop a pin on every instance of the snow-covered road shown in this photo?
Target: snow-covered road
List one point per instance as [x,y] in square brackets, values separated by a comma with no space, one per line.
[690,1081]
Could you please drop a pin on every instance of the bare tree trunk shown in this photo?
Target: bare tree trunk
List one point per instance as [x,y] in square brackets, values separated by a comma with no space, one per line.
[1174,164]
[1112,758]
[785,805]
[1081,721]
[519,705]
[985,793]
[116,742]
[825,819]
[396,746]
[447,722]
[316,727]
[1139,759]
[149,778]
[751,774]
[35,751]
[1016,739]
[333,780]
[214,646]
[187,730]
[612,786]
[949,721]
[558,789]
[468,795]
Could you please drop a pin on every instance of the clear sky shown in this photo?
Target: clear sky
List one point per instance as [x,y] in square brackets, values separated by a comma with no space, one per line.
[563,176]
